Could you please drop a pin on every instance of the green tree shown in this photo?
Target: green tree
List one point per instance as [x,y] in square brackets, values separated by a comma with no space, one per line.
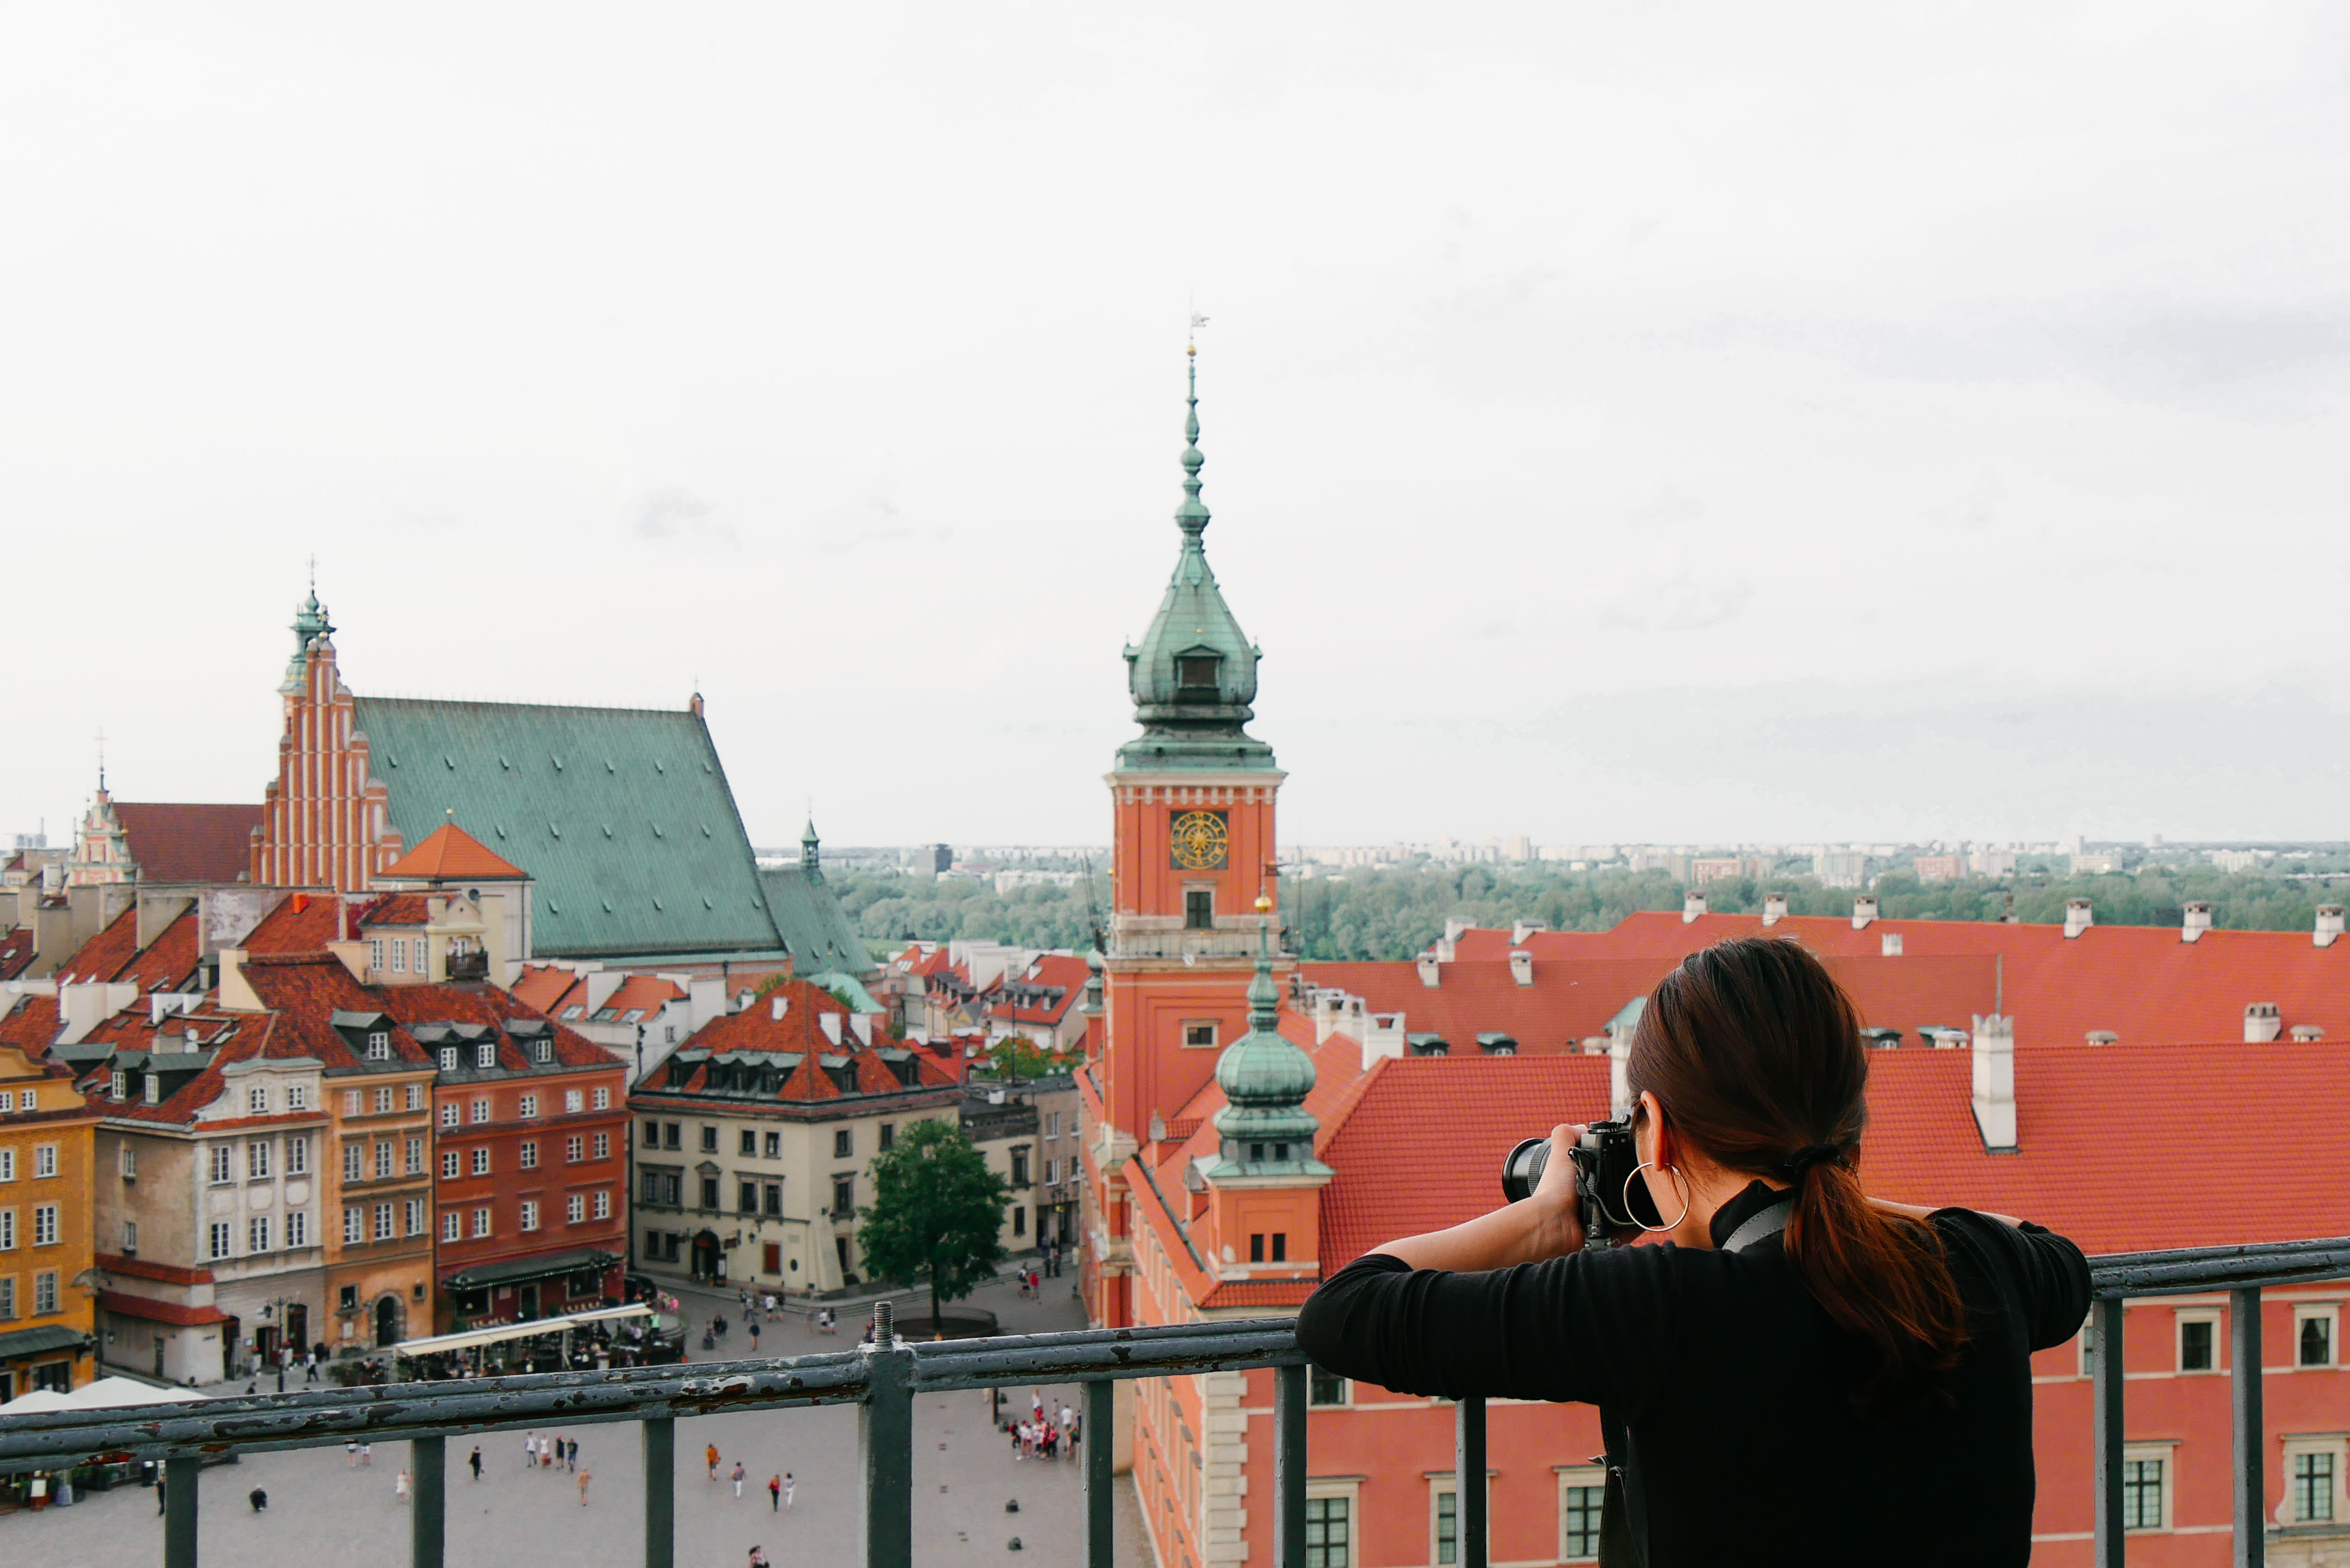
[937,1213]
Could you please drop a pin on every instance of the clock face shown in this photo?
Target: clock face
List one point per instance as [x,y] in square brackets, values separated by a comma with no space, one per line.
[1199,841]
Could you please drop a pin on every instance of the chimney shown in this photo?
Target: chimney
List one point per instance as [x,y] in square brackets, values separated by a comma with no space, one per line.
[2198,920]
[1994,1075]
[862,1023]
[1327,1004]
[1524,928]
[2263,1022]
[2329,924]
[2078,917]
[1889,944]
[1454,927]
[1431,972]
[1620,1067]
[830,1023]
[1521,966]
[1863,911]
[777,1005]
[1383,1035]
[2306,1033]
[2103,1037]
[1774,907]
[601,983]
[1692,906]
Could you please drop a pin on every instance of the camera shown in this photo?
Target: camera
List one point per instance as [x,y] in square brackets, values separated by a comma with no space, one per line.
[1614,1205]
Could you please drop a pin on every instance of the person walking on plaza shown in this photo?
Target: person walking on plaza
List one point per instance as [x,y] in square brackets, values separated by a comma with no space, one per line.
[585,1477]
[351,1453]
[788,1484]
[774,1493]
[366,1455]
[474,1459]
[310,1367]
[571,1453]
[711,1454]
[400,1487]
[529,1451]
[738,1478]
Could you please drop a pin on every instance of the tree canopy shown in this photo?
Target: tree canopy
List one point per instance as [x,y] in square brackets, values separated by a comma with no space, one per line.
[937,1213]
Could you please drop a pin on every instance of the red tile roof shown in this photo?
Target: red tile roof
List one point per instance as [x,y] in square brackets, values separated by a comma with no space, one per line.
[555,991]
[757,1029]
[17,954]
[305,922]
[395,910]
[168,962]
[107,955]
[142,1269]
[451,854]
[183,843]
[304,991]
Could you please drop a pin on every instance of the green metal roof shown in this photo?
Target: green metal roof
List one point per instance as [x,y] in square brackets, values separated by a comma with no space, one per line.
[812,923]
[1193,725]
[622,814]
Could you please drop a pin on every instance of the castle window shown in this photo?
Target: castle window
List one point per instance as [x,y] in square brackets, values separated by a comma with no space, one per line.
[1198,908]
[1196,672]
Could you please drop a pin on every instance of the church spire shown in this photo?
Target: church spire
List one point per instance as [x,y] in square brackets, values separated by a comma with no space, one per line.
[811,858]
[1192,515]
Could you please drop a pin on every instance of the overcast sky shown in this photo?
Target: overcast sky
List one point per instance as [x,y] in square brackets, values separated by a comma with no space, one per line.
[1712,423]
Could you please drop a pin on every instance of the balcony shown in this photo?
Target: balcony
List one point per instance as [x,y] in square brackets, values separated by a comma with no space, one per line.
[1160,937]
[886,1381]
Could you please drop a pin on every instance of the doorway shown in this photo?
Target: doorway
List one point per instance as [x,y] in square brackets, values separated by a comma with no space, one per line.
[232,1335]
[705,1255]
[526,1301]
[159,1355]
[297,1329]
[387,1323]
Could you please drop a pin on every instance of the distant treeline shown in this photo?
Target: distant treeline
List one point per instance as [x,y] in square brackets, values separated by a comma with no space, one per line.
[1395,914]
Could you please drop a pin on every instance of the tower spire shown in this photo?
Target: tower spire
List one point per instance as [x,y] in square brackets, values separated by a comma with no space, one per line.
[1192,515]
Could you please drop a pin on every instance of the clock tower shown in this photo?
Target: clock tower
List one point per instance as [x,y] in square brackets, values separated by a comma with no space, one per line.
[1192,882]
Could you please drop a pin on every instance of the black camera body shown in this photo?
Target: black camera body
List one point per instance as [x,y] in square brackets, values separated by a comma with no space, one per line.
[1614,1205]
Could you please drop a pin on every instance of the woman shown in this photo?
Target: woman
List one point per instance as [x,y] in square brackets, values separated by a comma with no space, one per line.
[1801,1373]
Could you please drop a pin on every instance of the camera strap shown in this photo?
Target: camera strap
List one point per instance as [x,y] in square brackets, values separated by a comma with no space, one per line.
[1763,1222]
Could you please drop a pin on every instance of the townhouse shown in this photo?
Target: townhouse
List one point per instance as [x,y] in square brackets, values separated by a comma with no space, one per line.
[47,1312]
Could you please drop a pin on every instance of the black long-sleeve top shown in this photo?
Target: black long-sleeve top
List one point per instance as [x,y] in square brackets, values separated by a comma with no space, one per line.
[1728,1388]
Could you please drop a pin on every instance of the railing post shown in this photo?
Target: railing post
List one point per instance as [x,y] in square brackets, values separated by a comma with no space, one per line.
[427,1470]
[1289,1466]
[1100,1448]
[885,1443]
[1468,1481]
[180,1473]
[2251,1446]
[661,1491]
[2105,1342]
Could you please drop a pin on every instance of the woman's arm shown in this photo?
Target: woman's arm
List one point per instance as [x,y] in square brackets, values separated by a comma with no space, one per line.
[1913,1211]
[1548,1224]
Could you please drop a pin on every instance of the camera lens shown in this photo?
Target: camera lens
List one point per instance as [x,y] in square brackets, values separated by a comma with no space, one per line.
[1522,1171]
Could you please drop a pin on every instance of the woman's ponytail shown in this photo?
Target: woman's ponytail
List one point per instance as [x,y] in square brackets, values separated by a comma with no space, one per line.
[1754,1051]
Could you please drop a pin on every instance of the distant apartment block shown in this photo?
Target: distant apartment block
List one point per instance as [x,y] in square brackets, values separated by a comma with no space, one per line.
[1840,868]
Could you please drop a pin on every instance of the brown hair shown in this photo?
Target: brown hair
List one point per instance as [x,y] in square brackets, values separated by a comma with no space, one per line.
[1754,1051]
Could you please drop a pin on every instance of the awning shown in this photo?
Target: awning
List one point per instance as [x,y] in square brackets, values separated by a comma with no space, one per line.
[155,1311]
[441,1343]
[39,1341]
[517,1269]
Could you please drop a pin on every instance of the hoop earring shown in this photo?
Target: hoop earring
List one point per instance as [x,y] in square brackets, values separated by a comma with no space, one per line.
[1679,1180]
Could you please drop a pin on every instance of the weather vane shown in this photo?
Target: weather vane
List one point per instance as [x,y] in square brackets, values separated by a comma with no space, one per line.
[1190,342]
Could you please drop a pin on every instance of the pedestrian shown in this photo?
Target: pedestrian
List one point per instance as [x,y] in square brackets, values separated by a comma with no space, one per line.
[585,1477]
[1073,1438]
[259,1499]
[351,1453]
[758,1557]
[774,1493]
[366,1455]
[400,1487]
[529,1451]
[1036,1403]
[738,1478]
[159,1494]
[788,1484]
[571,1453]
[711,1454]
[474,1459]
[754,1335]
[1068,1415]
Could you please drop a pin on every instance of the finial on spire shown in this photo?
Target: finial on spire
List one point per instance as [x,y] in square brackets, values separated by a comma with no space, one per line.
[1192,516]
[102,762]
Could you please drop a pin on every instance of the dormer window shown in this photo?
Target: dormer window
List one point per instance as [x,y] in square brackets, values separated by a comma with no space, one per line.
[1197,672]
[379,1047]
[485,1054]
[546,1050]
[448,1058]
[121,1083]
[154,1090]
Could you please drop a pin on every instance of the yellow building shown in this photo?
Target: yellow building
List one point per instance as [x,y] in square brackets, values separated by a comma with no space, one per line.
[48,1296]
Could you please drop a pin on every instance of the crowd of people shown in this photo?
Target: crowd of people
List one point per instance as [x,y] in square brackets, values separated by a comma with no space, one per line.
[1046,1434]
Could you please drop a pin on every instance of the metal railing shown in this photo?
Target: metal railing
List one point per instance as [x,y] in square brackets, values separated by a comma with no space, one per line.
[884,1375]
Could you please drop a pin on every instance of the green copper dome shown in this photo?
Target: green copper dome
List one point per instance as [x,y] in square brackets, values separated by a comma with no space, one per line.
[309,621]
[1264,1129]
[1194,675]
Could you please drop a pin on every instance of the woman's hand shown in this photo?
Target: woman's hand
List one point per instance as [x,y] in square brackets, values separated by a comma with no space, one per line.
[1548,1224]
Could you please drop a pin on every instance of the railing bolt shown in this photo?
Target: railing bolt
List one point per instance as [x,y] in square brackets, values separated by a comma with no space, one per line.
[885,1332]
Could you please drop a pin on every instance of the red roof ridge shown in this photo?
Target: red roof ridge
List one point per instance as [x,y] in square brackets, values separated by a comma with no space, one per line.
[449,851]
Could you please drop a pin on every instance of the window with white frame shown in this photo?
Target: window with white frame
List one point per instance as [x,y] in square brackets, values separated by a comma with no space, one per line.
[544,1050]
[415,1162]
[2198,1339]
[44,1160]
[383,1161]
[375,954]
[482,1160]
[223,1239]
[574,1102]
[379,1047]
[256,1159]
[45,1225]
[452,1226]
[2316,1330]
[383,1231]
[298,1096]
[45,1291]
[481,1222]
[1581,1489]
[118,1084]
[530,1214]
[414,1215]
[2147,1485]
[354,1226]
[298,1156]
[452,1165]
[529,1107]
[398,954]
[7,1165]
[1330,1524]
[7,1229]
[7,1100]
[448,1058]
[354,1162]
[223,1160]
[130,1158]
[574,1150]
[383,1101]
[481,1110]
[575,1208]
[603,1099]
[130,1236]
[350,1101]
[7,1297]
[423,960]
[603,1204]
[485,1053]
[2312,1480]
[257,1099]
[529,1154]
[603,1146]
[452,1115]
[416,1096]
[256,1235]
[297,1228]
